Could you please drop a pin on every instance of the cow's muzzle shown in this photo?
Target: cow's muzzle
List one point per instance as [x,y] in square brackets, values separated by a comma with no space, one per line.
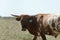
[23,29]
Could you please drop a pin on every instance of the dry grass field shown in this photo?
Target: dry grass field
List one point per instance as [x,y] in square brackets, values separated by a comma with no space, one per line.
[10,29]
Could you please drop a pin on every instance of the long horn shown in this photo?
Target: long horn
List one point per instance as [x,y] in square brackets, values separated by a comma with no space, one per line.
[15,15]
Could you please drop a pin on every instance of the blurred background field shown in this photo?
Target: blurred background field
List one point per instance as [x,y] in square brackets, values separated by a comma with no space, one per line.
[10,29]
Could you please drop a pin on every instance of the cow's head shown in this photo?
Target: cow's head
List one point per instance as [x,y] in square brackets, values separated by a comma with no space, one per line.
[23,20]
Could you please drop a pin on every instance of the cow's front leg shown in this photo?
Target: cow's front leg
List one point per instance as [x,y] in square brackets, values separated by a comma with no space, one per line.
[35,37]
[43,36]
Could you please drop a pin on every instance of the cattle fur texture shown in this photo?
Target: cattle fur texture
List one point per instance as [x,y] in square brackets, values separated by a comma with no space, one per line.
[40,24]
[51,23]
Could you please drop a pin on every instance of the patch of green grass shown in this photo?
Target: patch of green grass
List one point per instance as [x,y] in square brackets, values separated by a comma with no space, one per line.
[11,30]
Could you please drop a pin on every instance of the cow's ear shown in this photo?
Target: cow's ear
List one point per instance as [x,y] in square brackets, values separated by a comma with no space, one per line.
[18,18]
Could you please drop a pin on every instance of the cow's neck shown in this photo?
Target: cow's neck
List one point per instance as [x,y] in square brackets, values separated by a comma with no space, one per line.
[33,29]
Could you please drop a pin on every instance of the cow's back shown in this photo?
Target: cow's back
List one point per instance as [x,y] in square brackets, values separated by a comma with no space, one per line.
[45,17]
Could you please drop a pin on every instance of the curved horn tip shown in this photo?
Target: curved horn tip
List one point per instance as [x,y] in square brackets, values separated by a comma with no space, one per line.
[15,15]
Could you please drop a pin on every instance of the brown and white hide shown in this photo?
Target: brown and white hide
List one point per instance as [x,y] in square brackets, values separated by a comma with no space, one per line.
[51,23]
